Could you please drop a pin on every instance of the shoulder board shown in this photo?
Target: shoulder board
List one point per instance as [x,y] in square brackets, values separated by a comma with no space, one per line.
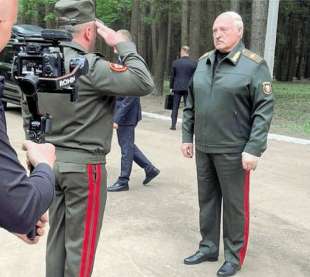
[205,55]
[252,56]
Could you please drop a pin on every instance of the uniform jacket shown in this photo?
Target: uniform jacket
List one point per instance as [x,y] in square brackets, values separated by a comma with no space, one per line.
[181,73]
[231,110]
[127,111]
[22,199]
[82,130]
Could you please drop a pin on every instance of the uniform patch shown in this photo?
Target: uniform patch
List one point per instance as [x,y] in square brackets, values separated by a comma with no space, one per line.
[267,88]
[118,67]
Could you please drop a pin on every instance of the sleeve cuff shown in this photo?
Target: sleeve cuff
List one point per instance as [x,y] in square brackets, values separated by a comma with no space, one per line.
[187,138]
[252,151]
[45,187]
[126,48]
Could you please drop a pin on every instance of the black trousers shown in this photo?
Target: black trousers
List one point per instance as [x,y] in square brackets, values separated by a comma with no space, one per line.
[176,103]
[130,152]
[222,180]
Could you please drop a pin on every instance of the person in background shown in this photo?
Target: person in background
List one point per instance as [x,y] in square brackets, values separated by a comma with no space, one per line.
[127,114]
[181,74]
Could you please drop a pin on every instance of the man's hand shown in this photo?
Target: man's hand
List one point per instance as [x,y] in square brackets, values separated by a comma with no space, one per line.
[249,161]
[110,37]
[115,126]
[39,153]
[187,150]
[40,226]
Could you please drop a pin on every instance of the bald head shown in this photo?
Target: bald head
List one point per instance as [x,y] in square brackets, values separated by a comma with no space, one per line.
[8,9]
[8,14]
[227,31]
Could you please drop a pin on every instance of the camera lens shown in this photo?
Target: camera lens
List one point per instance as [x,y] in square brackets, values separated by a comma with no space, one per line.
[48,70]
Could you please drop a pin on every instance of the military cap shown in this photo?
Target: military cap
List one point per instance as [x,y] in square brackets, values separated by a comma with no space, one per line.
[73,12]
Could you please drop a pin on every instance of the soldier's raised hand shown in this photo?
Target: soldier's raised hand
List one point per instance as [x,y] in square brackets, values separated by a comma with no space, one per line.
[111,37]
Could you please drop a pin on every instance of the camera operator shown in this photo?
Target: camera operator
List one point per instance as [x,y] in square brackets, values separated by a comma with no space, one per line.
[23,199]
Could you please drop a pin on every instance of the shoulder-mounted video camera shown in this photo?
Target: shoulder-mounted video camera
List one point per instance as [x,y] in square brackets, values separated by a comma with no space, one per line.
[39,66]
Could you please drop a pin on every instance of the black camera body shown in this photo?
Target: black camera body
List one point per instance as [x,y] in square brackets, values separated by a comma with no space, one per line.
[39,66]
[43,56]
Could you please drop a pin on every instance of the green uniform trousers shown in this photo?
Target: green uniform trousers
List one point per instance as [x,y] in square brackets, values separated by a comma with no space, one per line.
[221,179]
[75,219]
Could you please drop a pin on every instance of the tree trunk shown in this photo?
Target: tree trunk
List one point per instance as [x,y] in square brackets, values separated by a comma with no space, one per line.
[169,31]
[154,38]
[134,26]
[235,5]
[184,23]
[141,34]
[293,27]
[258,28]
[159,65]
[195,28]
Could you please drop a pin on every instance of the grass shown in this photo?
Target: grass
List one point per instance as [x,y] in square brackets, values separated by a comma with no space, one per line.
[292,109]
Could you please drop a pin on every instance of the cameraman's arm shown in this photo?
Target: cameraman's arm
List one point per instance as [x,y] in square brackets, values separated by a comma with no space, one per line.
[23,199]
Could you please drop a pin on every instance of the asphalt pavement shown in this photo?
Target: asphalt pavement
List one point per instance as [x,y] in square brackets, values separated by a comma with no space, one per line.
[149,230]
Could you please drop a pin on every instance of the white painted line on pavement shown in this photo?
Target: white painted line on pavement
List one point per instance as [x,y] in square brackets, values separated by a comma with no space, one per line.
[270,136]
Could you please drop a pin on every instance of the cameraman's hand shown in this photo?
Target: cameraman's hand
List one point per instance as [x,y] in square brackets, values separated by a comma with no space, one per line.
[111,37]
[115,126]
[40,229]
[39,153]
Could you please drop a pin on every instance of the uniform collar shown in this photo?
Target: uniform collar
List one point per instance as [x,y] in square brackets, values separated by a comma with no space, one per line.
[74,45]
[233,56]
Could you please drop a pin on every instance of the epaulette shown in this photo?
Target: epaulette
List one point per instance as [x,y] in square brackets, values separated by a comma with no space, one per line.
[205,55]
[252,56]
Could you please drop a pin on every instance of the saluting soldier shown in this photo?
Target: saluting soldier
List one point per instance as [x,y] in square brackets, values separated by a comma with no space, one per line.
[229,110]
[82,133]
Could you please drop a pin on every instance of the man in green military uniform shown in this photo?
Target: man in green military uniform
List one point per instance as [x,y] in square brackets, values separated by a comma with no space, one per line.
[82,133]
[229,111]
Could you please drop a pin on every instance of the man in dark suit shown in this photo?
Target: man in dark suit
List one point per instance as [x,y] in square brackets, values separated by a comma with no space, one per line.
[181,73]
[127,114]
[126,117]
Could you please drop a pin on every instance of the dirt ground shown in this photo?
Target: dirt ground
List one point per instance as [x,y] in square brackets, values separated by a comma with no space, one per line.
[149,230]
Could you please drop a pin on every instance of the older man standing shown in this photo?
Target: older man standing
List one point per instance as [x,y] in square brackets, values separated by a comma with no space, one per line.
[229,110]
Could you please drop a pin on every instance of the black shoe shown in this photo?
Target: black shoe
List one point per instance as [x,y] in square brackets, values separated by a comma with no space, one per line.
[228,269]
[118,187]
[151,175]
[200,257]
[173,128]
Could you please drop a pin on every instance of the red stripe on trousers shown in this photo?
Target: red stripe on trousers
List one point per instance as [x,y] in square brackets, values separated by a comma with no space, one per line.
[246,205]
[87,224]
[96,218]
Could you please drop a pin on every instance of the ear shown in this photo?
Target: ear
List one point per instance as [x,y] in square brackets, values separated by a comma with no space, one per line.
[87,34]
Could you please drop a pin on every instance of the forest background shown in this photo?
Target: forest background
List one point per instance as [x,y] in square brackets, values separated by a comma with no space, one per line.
[161,27]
